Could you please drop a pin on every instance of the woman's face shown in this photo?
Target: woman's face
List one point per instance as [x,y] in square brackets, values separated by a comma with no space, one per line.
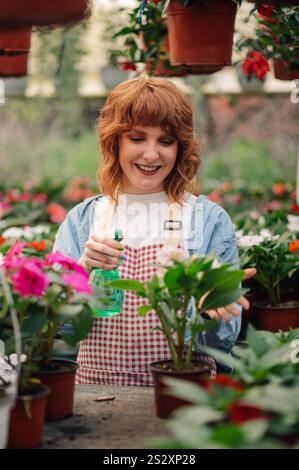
[146,156]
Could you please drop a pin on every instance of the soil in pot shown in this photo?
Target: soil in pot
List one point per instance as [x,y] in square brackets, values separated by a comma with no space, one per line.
[60,378]
[198,373]
[275,318]
[27,419]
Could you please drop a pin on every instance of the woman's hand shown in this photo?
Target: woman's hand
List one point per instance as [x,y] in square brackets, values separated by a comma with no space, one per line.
[101,252]
[229,310]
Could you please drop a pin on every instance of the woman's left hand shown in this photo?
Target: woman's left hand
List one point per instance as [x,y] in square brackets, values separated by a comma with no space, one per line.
[230,310]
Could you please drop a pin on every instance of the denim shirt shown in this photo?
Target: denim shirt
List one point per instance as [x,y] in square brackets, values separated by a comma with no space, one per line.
[211,231]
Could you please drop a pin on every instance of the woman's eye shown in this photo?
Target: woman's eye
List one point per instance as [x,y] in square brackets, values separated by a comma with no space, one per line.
[166,142]
[136,139]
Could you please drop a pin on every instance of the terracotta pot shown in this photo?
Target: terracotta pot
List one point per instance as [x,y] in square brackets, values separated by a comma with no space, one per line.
[14,49]
[277,318]
[166,404]
[61,382]
[203,69]
[283,72]
[201,34]
[13,66]
[26,432]
[42,13]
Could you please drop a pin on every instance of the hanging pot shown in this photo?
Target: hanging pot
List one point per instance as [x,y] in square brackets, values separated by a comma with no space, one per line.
[282,70]
[27,420]
[166,404]
[281,317]
[201,34]
[14,50]
[60,378]
[42,12]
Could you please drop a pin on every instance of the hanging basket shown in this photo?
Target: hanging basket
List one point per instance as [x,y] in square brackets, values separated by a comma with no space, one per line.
[201,34]
[43,12]
[14,51]
[282,70]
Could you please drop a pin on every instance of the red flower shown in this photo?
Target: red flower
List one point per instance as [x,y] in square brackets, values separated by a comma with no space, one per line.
[295,208]
[278,189]
[256,64]
[227,382]
[214,196]
[38,246]
[126,66]
[294,246]
[56,212]
[2,240]
[11,257]
[265,9]
[40,197]
[240,413]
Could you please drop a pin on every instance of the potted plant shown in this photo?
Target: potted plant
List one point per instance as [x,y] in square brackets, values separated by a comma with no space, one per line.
[254,408]
[201,32]
[50,292]
[169,294]
[276,262]
[145,40]
[274,38]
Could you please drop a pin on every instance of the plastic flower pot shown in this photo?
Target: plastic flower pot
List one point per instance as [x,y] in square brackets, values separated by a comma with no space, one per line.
[26,427]
[281,317]
[60,378]
[166,404]
[282,70]
[42,13]
[202,33]
[14,65]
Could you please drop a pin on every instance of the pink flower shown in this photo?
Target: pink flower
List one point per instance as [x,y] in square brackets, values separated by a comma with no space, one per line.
[66,262]
[4,208]
[11,258]
[30,279]
[77,281]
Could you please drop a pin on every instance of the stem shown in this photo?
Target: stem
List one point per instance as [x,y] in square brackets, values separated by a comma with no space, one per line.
[14,319]
[168,337]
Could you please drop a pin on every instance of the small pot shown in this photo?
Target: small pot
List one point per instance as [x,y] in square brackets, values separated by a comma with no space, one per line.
[166,404]
[281,317]
[282,70]
[60,379]
[26,432]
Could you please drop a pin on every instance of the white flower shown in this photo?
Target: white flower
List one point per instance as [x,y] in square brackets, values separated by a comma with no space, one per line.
[293,223]
[27,232]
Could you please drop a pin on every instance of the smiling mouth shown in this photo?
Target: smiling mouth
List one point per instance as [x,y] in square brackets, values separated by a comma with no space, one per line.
[148,170]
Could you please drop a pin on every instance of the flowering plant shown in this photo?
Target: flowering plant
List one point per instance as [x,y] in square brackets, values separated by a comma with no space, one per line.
[47,293]
[178,282]
[145,38]
[276,37]
[275,258]
[257,407]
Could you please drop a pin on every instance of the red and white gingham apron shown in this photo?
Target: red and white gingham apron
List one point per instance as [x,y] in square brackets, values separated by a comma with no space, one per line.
[119,349]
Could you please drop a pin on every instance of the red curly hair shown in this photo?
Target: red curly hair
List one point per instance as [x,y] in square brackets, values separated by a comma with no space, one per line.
[148,102]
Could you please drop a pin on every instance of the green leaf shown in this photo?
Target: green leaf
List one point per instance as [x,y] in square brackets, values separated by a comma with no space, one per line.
[219,298]
[186,390]
[228,434]
[129,284]
[34,323]
[223,278]
[144,309]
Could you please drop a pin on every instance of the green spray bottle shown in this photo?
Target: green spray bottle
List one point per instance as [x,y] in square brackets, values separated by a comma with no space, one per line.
[110,298]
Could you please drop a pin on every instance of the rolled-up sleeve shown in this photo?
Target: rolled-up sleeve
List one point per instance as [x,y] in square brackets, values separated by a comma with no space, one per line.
[67,239]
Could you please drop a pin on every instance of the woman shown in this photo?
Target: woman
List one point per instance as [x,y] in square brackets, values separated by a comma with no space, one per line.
[149,160]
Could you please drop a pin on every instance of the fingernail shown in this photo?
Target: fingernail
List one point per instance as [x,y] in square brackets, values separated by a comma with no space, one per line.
[123,256]
[120,248]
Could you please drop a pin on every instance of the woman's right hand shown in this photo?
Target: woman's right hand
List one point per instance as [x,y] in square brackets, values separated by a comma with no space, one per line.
[101,252]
